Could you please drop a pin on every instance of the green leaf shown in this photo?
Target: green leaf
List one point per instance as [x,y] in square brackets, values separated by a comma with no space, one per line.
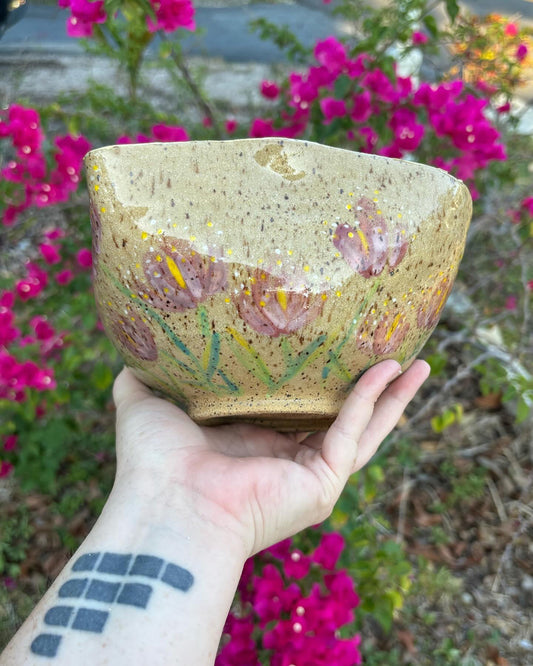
[102,377]
[343,85]
[431,25]
[523,409]
[452,7]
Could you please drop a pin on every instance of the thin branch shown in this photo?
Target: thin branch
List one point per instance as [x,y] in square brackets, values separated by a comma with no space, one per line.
[201,101]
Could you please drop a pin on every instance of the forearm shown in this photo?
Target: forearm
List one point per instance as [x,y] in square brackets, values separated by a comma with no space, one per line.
[142,589]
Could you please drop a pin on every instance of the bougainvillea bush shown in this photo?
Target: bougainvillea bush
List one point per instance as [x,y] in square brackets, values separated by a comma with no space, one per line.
[297,603]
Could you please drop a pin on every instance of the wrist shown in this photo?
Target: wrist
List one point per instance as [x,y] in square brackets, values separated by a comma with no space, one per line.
[161,512]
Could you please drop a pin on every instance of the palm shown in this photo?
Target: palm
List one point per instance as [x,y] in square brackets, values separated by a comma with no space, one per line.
[269,483]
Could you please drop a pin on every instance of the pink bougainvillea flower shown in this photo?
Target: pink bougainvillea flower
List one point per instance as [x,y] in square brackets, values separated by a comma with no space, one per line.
[419,38]
[504,108]
[5,468]
[262,128]
[169,133]
[241,649]
[329,549]
[54,234]
[371,243]
[381,86]
[511,303]
[8,332]
[84,14]
[296,565]
[64,277]
[270,307]
[84,258]
[407,131]
[527,204]
[34,282]
[179,278]
[331,54]
[521,52]
[10,442]
[332,108]
[230,125]
[50,253]
[362,107]
[42,328]
[270,89]
[429,314]
[171,15]
[69,157]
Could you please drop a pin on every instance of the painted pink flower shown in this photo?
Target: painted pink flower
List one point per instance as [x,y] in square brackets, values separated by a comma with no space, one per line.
[270,307]
[429,314]
[171,15]
[96,228]
[179,278]
[371,243]
[134,335]
[511,30]
[384,335]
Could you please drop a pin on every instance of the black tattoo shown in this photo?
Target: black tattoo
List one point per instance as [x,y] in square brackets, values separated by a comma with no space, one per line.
[113,587]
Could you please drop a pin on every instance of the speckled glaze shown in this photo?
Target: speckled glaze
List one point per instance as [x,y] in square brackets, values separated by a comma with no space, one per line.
[256,279]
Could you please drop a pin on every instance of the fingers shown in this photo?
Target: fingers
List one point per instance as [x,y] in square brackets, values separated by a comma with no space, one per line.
[127,389]
[388,410]
[340,443]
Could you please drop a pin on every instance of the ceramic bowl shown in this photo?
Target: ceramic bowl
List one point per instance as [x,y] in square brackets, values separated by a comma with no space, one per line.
[255,280]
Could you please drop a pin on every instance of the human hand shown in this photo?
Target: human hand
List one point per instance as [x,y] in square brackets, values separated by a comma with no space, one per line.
[253,483]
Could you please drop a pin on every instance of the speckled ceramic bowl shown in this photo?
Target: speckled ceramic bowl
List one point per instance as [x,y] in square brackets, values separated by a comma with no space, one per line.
[256,279]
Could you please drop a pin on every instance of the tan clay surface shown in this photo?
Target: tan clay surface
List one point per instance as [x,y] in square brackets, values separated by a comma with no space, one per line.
[256,279]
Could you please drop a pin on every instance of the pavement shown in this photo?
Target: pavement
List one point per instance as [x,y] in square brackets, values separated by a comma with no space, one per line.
[223,28]
[39,61]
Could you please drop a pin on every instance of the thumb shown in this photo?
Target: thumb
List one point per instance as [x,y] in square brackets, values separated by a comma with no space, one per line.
[128,390]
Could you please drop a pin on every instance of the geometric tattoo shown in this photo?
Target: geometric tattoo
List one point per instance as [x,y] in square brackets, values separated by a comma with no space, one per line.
[107,578]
